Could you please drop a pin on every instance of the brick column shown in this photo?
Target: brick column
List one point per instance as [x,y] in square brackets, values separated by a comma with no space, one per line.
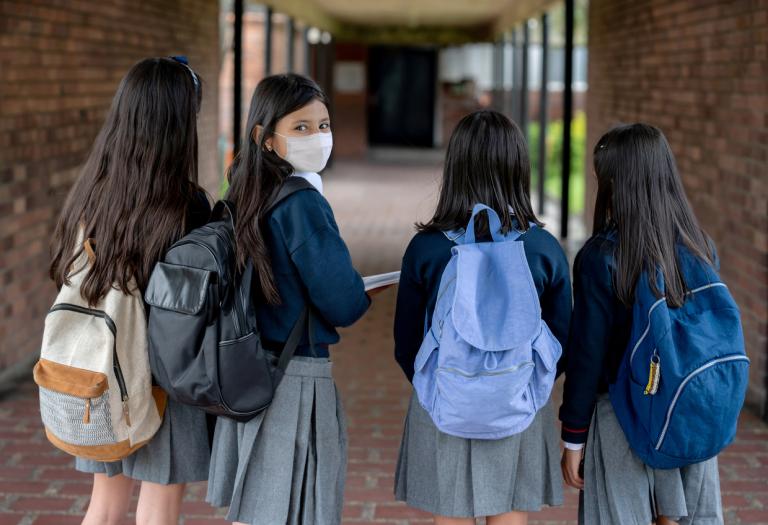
[60,64]
[698,70]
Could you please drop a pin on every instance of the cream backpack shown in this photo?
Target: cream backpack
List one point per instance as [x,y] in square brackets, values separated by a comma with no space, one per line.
[96,395]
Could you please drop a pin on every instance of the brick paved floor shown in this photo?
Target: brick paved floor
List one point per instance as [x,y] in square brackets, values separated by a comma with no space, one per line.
[376,206]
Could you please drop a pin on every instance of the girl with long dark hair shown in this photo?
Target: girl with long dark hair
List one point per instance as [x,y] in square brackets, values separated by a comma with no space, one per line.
[288,464]
[136,195]
[642,222]
[455,478]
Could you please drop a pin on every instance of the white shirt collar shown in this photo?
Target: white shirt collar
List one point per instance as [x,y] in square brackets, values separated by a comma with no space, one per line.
[313,178]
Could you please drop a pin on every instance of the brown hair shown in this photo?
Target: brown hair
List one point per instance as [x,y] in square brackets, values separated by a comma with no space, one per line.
[256,174]
[132,195]
[486,162]
[641,196]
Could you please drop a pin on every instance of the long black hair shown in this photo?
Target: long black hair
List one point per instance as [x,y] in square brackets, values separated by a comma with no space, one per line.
[133,192]
[486,162]
[256,174]
[641,196]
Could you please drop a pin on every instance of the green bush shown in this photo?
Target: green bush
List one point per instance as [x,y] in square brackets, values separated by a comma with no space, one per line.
[554,152]
[223,187]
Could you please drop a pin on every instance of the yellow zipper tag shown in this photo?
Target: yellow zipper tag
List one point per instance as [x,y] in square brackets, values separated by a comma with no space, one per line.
[654,376]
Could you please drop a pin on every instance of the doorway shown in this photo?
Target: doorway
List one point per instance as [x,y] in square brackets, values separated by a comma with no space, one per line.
[401,98]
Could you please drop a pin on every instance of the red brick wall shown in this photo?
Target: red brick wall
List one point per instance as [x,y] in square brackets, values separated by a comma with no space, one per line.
[698,69]
[60,63]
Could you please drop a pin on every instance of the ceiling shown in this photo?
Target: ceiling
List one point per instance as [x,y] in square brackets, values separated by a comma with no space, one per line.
[414,12]
[412,21]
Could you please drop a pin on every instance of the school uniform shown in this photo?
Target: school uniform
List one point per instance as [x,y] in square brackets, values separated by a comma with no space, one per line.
[288,465]
[618,487]
[180,450]
[453,476]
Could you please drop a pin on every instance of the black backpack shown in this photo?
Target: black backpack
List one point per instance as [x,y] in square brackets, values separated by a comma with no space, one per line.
[204,343]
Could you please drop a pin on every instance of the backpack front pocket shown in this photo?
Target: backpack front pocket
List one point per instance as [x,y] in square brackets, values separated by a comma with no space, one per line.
[546,352]
[702,415]
[484,405]
[75,404]
[245,376]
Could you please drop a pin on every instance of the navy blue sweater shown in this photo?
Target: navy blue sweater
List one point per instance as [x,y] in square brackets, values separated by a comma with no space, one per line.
[423,265]
[600,330]
[311,263]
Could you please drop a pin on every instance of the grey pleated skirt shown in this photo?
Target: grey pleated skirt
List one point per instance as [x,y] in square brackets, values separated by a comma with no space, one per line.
[178,453]
[457,477]
[620,488]
[287,466]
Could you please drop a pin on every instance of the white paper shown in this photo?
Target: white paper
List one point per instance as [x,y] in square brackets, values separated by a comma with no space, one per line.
[379,281]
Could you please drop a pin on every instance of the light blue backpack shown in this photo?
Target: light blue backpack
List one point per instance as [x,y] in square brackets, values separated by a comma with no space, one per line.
[488,362]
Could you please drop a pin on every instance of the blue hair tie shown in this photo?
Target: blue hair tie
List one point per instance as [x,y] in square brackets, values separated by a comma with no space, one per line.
[184,61]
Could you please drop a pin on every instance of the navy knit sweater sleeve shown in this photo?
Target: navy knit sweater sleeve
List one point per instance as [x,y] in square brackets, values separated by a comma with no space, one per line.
[424,262]
[311,263]
[599,332]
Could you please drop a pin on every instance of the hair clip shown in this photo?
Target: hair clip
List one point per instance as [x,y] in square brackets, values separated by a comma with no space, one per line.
[184,61]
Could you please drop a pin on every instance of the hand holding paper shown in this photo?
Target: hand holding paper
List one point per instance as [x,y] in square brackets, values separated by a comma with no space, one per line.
[381,281]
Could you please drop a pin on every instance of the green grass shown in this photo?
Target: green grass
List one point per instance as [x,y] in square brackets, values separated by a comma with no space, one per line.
[223,187]
[554,151]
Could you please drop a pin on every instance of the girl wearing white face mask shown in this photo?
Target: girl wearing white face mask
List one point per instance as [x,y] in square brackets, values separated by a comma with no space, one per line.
[288,464]
[308,154]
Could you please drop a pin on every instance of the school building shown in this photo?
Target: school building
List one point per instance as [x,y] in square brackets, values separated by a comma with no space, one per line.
[400,74]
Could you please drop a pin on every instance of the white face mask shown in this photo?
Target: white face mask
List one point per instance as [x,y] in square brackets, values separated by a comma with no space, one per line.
[308,153]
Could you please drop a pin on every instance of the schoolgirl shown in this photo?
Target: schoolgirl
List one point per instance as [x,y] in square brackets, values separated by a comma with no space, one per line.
[642,220]
[136,195]
[455,478]
[287,466]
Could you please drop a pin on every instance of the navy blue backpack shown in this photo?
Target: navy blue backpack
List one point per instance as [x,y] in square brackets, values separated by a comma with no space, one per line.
[682,381]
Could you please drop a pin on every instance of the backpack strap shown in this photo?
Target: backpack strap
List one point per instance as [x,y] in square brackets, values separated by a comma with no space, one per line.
[294,338]
[290,186]
[226,208]
[460,236]
[494,224]
[514,235]
[88,247]
[455,236]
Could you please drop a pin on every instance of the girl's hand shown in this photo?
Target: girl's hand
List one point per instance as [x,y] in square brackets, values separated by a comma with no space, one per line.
[570,466]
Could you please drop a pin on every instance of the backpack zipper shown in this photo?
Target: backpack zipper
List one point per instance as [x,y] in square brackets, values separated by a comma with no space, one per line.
[687,379]
[239,308]
[115,360]
[87,414]
[203,245]
[488,373]
[657,303]
[238,291]
[230,342]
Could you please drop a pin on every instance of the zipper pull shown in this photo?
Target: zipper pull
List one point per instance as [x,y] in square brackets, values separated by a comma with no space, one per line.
[126,413]
[87,415]
[654,375]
